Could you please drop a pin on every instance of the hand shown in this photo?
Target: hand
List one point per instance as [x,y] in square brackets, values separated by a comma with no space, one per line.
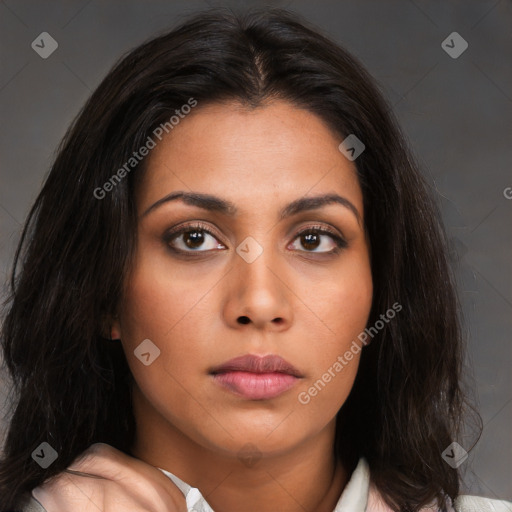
[114,482]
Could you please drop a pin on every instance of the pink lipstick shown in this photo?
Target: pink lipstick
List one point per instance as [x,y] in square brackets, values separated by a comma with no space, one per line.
[256,377]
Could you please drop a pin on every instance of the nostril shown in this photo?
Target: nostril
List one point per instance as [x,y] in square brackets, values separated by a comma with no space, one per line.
[243,319]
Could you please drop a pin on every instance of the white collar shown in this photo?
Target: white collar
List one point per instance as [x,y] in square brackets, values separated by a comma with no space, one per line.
[353,498]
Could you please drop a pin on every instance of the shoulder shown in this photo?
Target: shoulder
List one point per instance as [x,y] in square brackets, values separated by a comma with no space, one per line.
[30,504]
[478,504]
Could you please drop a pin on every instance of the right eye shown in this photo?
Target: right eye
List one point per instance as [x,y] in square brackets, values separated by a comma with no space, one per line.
[192,238]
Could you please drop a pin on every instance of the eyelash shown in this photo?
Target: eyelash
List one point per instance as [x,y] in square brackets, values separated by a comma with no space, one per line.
[175,233]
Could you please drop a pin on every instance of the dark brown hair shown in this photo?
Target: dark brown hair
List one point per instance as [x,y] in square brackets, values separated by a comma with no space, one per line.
[72,388]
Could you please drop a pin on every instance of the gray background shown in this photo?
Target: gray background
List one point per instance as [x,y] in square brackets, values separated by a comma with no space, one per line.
[456,113]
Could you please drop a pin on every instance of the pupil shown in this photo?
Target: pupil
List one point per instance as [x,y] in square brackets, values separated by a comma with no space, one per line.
[194,239]
[308,237]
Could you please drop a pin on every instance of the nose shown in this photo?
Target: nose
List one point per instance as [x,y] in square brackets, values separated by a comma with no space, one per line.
[258,294]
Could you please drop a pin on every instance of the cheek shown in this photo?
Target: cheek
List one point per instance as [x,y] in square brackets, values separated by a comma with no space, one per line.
[334,361]
[160,298]
[350,307]
[158,306]
[333,366]
[155,306]
[171,307]
[344,305]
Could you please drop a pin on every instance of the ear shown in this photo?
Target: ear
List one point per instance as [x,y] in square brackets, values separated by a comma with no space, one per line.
[115,329]
[111,328]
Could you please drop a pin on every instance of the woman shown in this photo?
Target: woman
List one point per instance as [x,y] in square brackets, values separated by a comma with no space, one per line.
[234,292]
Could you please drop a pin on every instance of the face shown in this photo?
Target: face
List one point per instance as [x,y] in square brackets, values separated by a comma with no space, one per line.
[257,267]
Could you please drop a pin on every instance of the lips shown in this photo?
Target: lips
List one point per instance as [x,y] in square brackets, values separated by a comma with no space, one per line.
[255,377]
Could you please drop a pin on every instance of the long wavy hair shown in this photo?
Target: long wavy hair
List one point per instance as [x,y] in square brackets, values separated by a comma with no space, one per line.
[71,387]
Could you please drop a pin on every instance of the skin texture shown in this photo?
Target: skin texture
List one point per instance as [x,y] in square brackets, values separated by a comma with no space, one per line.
[302,303]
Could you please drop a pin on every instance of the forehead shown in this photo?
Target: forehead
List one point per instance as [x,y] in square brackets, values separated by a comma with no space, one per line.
[254,154]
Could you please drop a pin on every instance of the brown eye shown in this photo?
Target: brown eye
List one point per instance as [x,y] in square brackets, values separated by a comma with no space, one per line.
[310,241]
[192,239]
[319,240]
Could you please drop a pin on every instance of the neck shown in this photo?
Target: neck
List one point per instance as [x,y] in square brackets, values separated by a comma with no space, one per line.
[307,477]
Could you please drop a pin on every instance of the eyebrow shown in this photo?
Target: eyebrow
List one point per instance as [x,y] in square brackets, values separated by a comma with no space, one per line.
[219,205]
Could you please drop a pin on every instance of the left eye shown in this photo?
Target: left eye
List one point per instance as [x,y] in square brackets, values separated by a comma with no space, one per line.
[313,239]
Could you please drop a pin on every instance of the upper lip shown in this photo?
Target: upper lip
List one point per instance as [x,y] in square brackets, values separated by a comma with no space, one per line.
[257,364]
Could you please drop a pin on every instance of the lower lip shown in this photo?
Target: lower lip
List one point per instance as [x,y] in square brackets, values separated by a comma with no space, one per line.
[256,386]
